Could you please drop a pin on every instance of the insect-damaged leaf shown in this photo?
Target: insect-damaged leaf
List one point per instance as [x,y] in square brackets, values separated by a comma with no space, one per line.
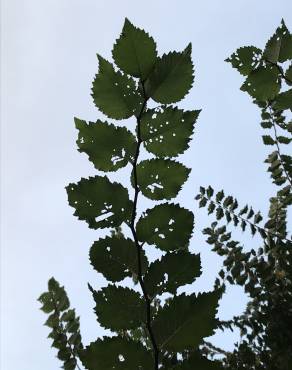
[160,178]
[168,226]
[99,202]
[116,258]
[167,132]
[115,94]
[262,83]
[279,47]
[197,361]
[119,308]
[172,271]
[184,321]
[108,147]
[116,353]
[245,59]
[135,51]
[171,78]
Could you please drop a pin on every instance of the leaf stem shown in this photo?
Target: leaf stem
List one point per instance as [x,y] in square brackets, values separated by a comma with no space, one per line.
[134,233]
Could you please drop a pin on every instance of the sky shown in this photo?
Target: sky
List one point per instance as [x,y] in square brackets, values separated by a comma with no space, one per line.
[48,61]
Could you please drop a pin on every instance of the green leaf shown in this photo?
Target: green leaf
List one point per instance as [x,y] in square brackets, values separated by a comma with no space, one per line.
[279,47]
[166,132]
[116,258]
[288,75]
[99,202]
[119,308]
[245,59]
[116,353]
[172,271]
[268,140]
[70,364]
[168,226]
[108,147]
[160,178]
[197,361]
[47,301]
[135,51]
[283,101]
[184,321]
[115,94]
[262,83]
[171,78]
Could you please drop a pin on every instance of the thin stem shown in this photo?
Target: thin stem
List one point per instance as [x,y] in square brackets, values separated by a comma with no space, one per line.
[138,246]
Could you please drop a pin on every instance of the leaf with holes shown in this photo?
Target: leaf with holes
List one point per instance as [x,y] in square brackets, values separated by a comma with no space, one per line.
[262,83]
[135,51]
[184,321]
[116,258]
[279,47]
[167,132]
[119,308]
[160,178]
[99,202]
[108,147]
[245,59]
[168,226]
[171,78]
[115,94]
[283,100]
[172,271]
[116,353]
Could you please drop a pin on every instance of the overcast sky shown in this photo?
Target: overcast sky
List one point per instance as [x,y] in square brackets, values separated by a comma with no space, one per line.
[48,61]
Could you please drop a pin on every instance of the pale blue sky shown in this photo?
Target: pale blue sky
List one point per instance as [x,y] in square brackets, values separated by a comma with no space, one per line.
[48,62]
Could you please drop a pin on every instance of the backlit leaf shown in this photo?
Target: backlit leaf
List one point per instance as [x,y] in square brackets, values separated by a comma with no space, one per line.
[135,51]
[167,132]
[161,179]
[171,78]
[197,361]
[99,202]
[168,226]
[115,94]
[116,258]
[108,147]
[279,47]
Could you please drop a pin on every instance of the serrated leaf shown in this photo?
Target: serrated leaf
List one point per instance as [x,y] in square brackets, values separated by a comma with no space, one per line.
[167,132]
[108,147]
[119,308]
[112,86]
[219,196]
[279,47]
[168,226]
[283,100]
[171,78]
[184,321]
[116,258]
[245,59]
[116,353]
[135,51]
[288,75]
[262,83]
[161,178]
[268,140]
[99,202]
[64,354]
[172,271]
[197,361]
[70,364]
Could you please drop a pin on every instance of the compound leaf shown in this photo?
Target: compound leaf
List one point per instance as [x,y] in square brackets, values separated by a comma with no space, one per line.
[108,147]
[245,59]
[116,258]
[171,78]
[115,94]
[168,226]
[166,133]
[99,202]
[135,51]
[279,47]
[262,83]
[160,178]
[172,271]
[119,308]
[116,353]
[184,321]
